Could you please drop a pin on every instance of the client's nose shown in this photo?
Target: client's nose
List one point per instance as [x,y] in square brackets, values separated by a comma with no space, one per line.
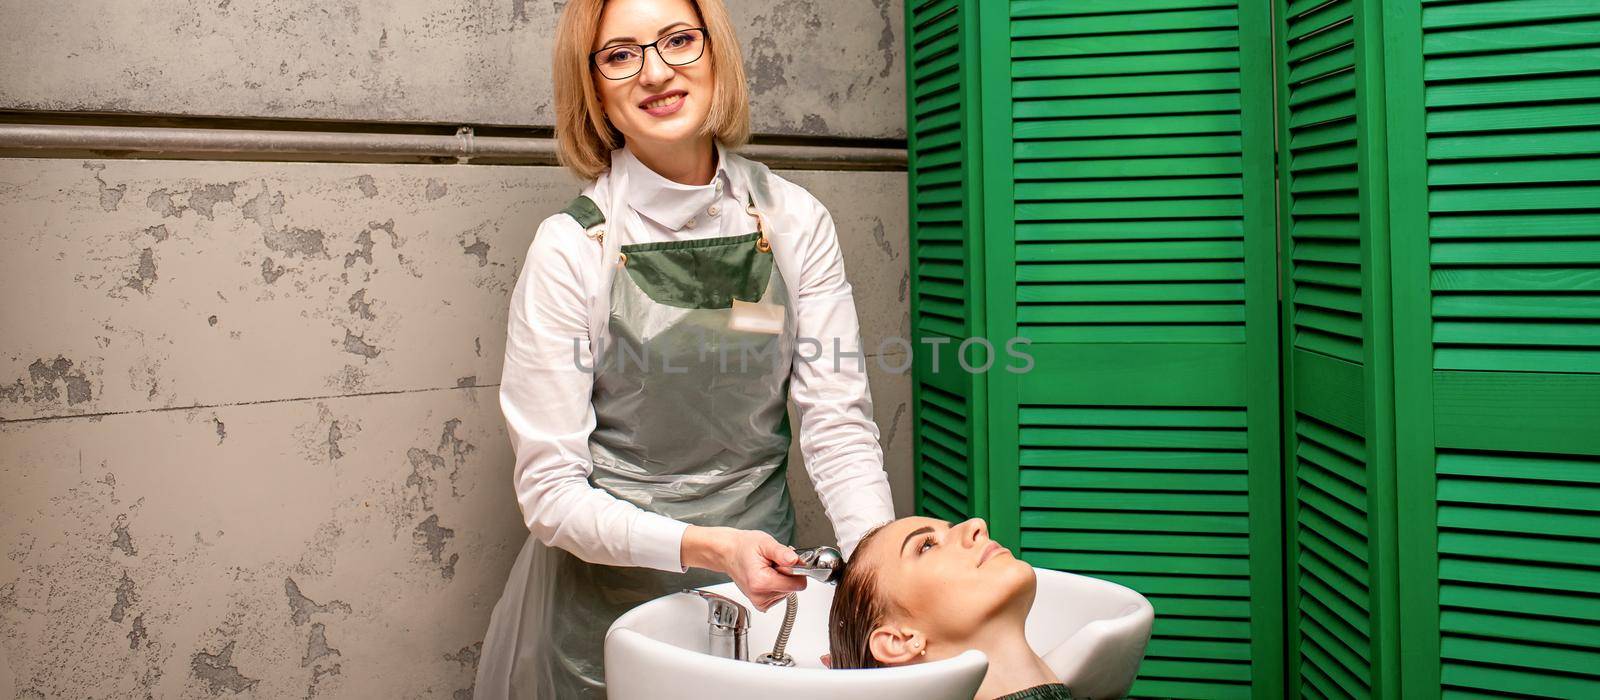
[976,531]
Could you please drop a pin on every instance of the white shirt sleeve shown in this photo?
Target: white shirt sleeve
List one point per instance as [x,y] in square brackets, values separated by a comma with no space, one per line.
[545,396]
[837,436]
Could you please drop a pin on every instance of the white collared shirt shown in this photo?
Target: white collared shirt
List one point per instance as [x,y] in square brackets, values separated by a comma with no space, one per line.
[546,398]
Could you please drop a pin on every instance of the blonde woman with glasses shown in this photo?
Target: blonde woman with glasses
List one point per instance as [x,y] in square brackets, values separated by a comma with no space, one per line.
[658,328]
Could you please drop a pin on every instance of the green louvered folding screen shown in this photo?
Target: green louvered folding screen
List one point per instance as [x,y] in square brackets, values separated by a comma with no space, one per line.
[1416,513]
[1128,234]
[1338,468]
[1497,316]
[945,303]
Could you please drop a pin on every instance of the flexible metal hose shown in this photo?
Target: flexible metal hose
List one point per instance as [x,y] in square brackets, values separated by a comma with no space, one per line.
[792,608]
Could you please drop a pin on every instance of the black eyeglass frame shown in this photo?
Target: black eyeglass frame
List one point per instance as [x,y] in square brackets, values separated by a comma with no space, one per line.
[705,38]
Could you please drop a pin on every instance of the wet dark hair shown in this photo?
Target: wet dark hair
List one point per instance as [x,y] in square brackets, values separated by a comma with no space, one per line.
[857,610]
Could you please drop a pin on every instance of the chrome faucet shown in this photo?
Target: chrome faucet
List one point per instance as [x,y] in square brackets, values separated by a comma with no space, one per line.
[729,622]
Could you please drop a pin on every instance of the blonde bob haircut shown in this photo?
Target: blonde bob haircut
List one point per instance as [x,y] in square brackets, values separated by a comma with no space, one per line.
[585,138]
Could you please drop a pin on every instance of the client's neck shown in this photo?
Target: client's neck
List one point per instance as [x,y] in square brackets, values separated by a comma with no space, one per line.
[1012,664]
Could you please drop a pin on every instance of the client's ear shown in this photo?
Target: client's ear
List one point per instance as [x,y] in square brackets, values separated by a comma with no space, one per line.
[893,645]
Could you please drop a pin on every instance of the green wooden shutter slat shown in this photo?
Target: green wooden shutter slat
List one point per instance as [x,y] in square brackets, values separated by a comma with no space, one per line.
[1078,107]
[1509,38]
[1125,23]
[1189,502]
[1501,681]
[1135,459]
[1128,272]
[1125,251]
[1169,481]
[1119,563]
[1551,224]
[1108,86]
[1312,45]
[1130,147]
[1330,298]
[1517,198]
[1328,275]
[1519,493]
[1159,667]
[1514,280]
[1024,9]
[1518,603]
[1146,44]
[1148,64]
[1213,166]
[1522,548]
[1501,65]
[1507,573]
[1313,182]
[1320,19]
[1522,333]
[1166,229]
[1174,293]
[1571,253]
[1441,16]
[1143,125]
[1338,132]
[1137,542]
[1542,522]
[1130,189]
[1135,521]
[1077,314]
[1340,84]
[1574,170]
[1570,632]
[1510,91]
[1543,656]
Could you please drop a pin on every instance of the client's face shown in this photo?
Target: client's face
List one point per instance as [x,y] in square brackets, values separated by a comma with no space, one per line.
[949,580]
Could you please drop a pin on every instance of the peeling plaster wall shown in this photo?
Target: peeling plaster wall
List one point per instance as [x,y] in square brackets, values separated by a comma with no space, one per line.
[250,440]
[249,431]
[821,67]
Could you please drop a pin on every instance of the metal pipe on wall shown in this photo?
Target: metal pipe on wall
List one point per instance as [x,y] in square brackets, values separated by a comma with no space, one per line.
[71,140]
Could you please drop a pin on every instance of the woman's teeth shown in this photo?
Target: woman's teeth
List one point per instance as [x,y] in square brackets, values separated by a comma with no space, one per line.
[663,102]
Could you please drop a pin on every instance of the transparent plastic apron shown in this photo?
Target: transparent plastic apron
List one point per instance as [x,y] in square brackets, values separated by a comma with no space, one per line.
[691,422]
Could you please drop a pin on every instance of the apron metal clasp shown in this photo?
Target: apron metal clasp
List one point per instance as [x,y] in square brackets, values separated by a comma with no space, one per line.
[761,227]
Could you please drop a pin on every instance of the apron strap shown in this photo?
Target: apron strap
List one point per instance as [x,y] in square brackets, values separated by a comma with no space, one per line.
[585,212]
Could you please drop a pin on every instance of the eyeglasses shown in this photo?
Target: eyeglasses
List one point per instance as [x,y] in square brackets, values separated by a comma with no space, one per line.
[623,61]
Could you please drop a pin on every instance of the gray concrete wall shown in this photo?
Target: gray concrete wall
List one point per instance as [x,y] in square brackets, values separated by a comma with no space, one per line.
[250,441]
[822,67]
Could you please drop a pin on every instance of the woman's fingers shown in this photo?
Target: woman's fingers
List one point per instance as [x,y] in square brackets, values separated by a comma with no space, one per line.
[778,553]
[756,574]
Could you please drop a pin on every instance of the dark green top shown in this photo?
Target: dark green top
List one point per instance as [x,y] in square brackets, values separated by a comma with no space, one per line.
[1048,691]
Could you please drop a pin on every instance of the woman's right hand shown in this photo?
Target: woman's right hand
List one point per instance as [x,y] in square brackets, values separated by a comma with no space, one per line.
[746,556]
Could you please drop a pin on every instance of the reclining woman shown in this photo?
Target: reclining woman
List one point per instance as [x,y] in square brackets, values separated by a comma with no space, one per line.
[918,589]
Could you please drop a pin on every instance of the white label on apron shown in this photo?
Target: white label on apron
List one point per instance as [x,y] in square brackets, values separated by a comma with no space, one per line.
[756,318]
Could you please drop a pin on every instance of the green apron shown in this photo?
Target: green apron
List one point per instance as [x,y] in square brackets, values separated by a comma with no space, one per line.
[691,422]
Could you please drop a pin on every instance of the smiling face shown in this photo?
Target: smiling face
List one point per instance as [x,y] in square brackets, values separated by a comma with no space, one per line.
[662,105]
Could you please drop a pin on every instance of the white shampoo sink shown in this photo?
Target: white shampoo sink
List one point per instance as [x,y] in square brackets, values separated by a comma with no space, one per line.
[1091,632]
